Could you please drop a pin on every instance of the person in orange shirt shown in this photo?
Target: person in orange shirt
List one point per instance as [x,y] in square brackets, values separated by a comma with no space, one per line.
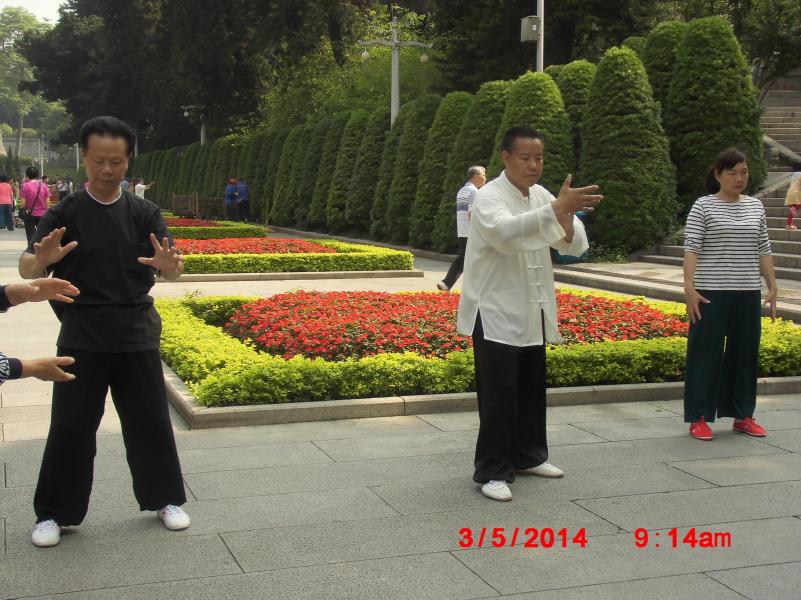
[6,204]
[793,202]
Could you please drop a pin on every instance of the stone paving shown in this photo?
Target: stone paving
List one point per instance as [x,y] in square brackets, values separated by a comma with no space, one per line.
[372,508]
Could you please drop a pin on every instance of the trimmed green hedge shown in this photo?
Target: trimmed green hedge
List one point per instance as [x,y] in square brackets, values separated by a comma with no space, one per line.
[349,257]
[280,207]
[659,56]
[368,163]
[312,155]
[224,229]
[342,177]
[626,153]
[575,81]
[316,216]
[222,371]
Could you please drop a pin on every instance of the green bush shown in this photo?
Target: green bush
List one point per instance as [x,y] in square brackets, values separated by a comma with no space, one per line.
[224,229]
[712,104]
[407,167]
[378,210]
[636,43]
[187,172]
[554,71]
[473,146]
[349,257]
[222,371]
[535,100]
[626,153]
[574,82]
[210,182]
[659,56]
[342,179]
[253,166]
[202,165]
[279,207]
[446,127]
[265,182]
[368,164]
[328,162]
[311,160]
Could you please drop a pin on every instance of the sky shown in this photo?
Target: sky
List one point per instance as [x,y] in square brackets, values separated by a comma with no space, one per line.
[43,9]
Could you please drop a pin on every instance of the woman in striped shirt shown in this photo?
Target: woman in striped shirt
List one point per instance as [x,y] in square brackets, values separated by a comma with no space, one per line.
[726,250]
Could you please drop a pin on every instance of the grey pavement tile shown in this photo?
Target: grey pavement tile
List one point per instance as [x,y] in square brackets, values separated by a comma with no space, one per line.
[771,582]
[299,432]
[279,480]
[217,516]
[24,414]
[251,457]
[426,577]
[787,439]
[745,469]
[2,535]
[630,452]
[22,472]
[642,429]
[615,558]
[605,412]
[9,400]
[462,494]
[694,507]
[364,539]
[679,587]
[82,564]
[778,419]
[764,403]
[458,421]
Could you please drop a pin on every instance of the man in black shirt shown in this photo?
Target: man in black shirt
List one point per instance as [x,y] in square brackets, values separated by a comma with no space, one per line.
[106,242]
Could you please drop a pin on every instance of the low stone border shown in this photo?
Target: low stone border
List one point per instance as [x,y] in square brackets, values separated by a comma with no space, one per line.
[292,275]
[201,417]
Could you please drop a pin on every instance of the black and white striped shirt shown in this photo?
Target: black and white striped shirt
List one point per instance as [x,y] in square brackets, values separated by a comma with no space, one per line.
[729,238]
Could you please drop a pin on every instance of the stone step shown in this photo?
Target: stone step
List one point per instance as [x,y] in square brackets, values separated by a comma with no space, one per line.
[777,120]
[782,234]
[774,129]
[776,211]
[790,100]
[788,247]
[782,112]
[782,271]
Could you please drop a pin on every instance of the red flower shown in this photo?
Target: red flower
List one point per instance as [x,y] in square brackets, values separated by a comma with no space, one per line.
[182,222]
[254,245]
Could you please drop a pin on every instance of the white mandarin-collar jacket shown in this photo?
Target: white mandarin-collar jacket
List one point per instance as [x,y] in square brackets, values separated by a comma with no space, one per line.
[507,271]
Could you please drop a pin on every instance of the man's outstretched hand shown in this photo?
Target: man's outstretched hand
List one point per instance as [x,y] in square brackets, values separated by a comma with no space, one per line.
[41,289]
[49,251]
[165,259]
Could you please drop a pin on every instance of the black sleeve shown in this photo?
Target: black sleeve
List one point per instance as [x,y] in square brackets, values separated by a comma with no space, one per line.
[10,368]
[157,225]
[4,303]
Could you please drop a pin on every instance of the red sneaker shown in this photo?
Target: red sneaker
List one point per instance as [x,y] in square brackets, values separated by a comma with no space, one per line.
[700,430]
[748,426]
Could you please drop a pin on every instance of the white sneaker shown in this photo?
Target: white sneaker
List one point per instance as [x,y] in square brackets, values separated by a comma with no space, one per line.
[442,287]
[546,469]
[497,490]
[174,517]
[46,534]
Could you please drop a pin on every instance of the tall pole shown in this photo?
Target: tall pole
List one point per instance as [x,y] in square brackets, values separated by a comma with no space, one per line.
[541,40]
[395,95]
[202,129]
[77,159]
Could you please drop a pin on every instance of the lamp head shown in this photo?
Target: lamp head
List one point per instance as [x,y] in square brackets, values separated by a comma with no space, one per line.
[365,55]
[424,58]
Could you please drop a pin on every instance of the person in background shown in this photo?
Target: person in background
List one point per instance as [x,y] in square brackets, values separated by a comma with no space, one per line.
[793,202]
[230,201]
[476,177]
[63,188]
[140,188]
[6,204]
[726,250]
[34,196]
[242,201]
[125,184]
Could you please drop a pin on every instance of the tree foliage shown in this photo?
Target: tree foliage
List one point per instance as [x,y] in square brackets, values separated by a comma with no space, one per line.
[281,208]
[328,162]
[712,104]
[444,130]
[311,161]
[625,152]
[575,81]
[407,167]
[342,180]
[368,164]
[659,56]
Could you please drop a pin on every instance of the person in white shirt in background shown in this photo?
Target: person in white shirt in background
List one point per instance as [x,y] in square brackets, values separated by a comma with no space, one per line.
[508,306]
[140,188]
[476,177]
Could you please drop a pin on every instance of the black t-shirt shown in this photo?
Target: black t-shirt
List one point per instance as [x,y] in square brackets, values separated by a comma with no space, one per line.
[114,312]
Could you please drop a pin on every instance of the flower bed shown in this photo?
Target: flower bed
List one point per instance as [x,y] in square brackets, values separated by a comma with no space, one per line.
[340,325]
[197,229]
[337,256]
[252,246]
[223,371]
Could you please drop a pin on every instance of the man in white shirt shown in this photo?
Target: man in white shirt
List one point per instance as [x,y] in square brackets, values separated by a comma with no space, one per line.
[476,177]
[140,188]
[508,306]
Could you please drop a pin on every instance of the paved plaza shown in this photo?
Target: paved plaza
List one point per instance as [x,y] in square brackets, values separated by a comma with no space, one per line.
[372,508]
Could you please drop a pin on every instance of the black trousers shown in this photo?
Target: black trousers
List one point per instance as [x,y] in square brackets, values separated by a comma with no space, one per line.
[244,210]
[30,226]
[510,384]
[723,357]
[137,388]
[457,266]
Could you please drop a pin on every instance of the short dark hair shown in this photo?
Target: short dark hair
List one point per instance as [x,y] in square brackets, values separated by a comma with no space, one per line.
[520,131]
[32,173]
[3,178]
[727,159]
[102,126]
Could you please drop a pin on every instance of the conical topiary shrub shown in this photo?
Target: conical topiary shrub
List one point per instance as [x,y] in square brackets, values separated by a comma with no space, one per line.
[473,146]
[407,167]
[279,209]
[712,104]
[342,182]
[575,82]
[659,56]
[368,165]
[297,176]
[328,162]
[626,153]
[311,160]
[534,100]
[447,124]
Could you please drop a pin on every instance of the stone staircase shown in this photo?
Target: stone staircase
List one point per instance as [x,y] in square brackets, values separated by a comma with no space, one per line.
[782,120]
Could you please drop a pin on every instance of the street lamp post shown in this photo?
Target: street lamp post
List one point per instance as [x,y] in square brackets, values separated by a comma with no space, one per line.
[200,108]
[77,158]
[396,45]
[532,29]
